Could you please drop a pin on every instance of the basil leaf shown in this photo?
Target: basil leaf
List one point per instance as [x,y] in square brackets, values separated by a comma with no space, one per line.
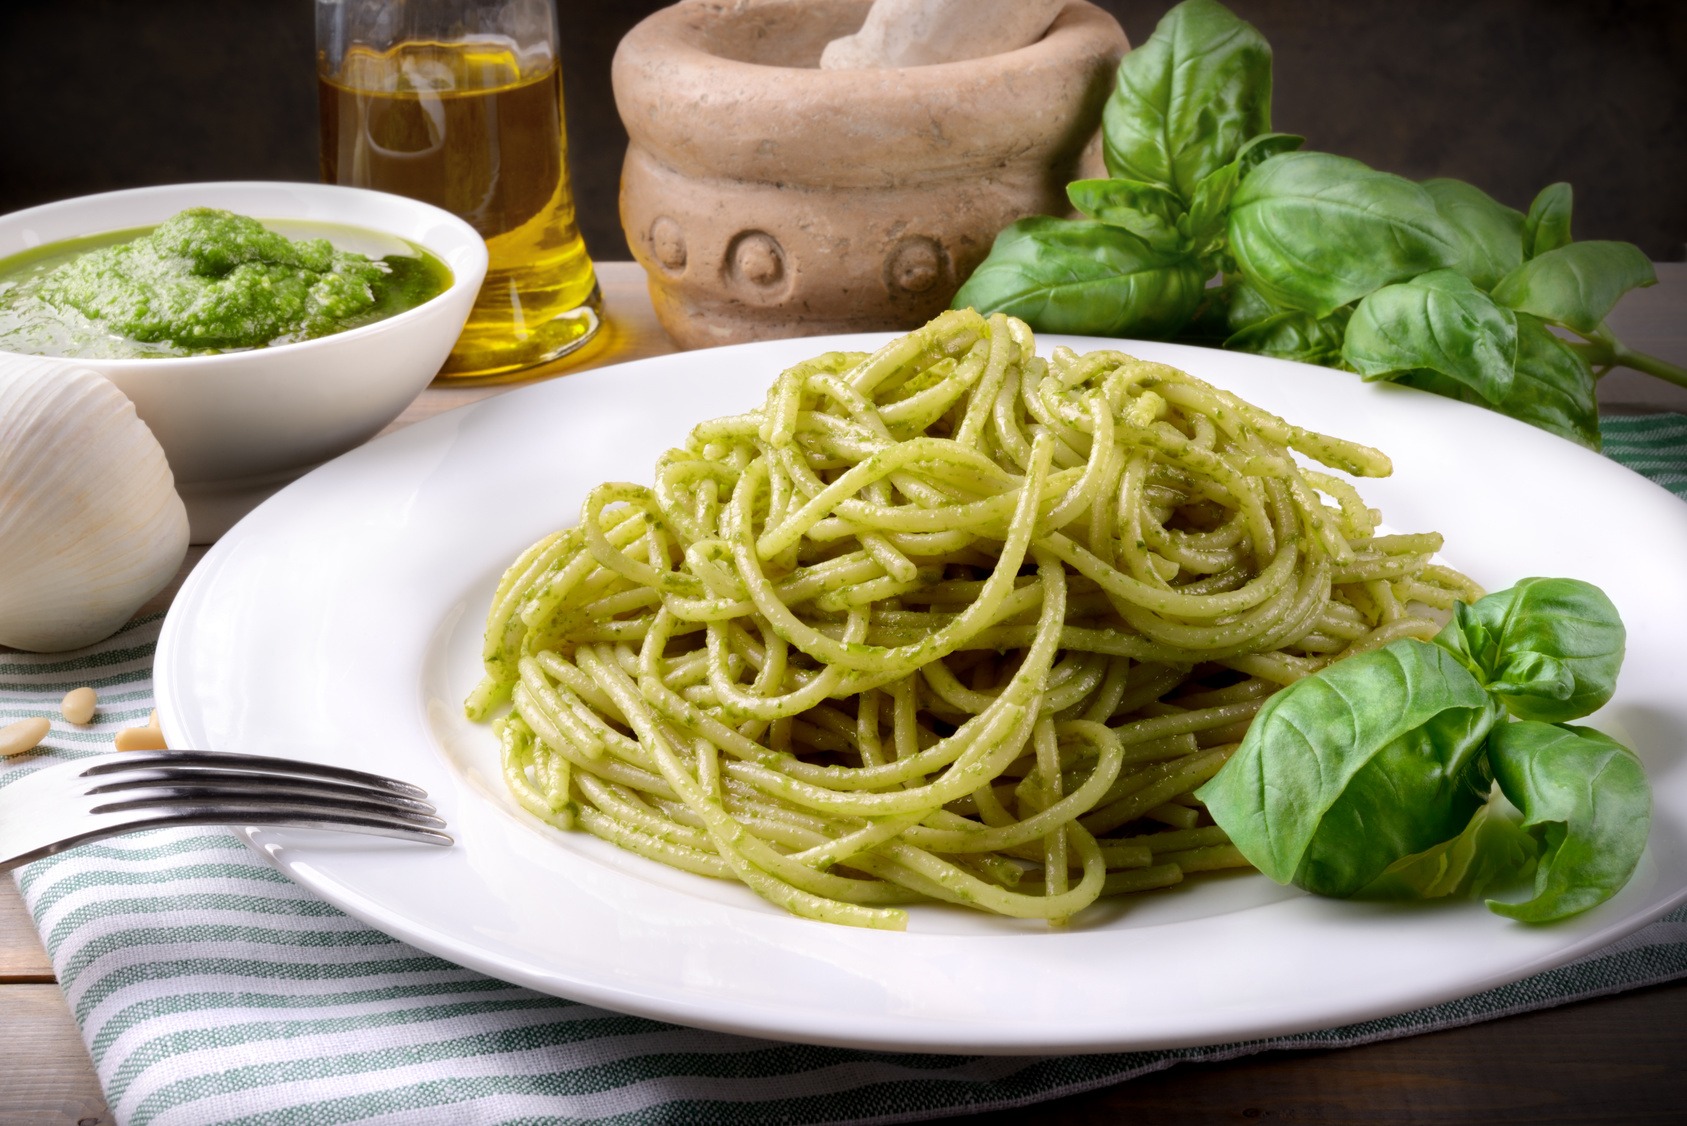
[1203,225]
[1552,386]
[1548,225]
[1576,285]
[1265,146]
[1549,649]
[1490,234]
[1293,335]
[1313,231]
[1342,773]
[1253,324]
[1243,304]
[1585,798]
[1493,853]
[1187,98]
[1148,212]
[1081,276]
[1437,321]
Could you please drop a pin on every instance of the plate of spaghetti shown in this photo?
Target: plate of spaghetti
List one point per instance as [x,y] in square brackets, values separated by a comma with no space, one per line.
[856,690]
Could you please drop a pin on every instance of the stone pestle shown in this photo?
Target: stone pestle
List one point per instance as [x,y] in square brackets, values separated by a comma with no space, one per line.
[925,32]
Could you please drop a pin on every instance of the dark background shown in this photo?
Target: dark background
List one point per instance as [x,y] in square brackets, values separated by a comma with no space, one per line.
[1509,94]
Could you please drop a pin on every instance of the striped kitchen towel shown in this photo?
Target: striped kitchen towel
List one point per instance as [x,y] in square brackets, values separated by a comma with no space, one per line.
[210,989]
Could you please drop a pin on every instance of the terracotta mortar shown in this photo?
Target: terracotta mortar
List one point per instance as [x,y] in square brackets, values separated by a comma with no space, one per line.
[768,198]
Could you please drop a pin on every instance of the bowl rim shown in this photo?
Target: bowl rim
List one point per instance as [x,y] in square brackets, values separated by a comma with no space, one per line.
[471,243]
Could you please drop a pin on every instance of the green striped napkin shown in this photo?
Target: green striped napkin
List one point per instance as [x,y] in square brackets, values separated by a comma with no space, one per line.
[211,989]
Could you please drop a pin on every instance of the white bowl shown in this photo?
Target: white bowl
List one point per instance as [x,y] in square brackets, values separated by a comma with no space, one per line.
[239,425]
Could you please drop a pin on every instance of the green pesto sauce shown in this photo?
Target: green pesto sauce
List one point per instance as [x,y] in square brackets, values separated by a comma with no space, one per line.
[201,282]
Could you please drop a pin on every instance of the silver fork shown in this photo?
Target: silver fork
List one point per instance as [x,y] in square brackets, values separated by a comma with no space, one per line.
[88,799]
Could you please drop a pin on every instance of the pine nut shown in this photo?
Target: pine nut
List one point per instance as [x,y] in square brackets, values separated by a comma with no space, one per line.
[152,721]
[78,705]
[24,735]
[140,739]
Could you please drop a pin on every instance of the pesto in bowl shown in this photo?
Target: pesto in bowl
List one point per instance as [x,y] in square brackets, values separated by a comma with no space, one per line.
[202,282]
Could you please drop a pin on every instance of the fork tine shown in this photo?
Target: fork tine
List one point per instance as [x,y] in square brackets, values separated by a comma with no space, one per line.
[236,763]
[235,803]
[64,804]
[236,784]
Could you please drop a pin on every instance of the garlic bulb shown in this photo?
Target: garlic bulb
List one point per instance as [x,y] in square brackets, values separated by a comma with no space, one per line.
[90,523]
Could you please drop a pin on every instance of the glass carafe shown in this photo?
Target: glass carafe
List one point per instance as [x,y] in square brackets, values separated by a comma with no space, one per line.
[459,103]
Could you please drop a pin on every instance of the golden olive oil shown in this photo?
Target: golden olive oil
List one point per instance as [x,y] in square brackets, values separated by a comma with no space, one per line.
[466,126]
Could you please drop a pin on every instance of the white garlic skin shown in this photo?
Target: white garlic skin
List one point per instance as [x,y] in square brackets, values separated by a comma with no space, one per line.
[91,525]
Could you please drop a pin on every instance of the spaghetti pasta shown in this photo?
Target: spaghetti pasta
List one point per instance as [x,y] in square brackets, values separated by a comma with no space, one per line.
[946,622]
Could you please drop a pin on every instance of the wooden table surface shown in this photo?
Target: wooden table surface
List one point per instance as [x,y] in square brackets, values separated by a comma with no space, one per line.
[1620,1059]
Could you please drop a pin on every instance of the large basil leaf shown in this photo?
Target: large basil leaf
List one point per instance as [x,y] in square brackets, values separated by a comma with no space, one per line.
[1083,277]
[1440,322]
[1494,853]
[1490,234]
[1548,225]
[1146,211]
[1576,285]
[1313,231]
[1550,649]
[1552,386]
[1371,759]
[1584,796]
[1187,98]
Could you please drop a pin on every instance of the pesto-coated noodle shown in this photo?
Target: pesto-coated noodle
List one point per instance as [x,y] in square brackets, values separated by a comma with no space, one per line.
[945,622]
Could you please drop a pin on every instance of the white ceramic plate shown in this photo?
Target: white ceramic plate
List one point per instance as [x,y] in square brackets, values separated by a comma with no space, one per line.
[341,621]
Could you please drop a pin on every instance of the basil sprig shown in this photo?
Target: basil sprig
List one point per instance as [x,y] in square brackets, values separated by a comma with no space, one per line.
[1548,649]
[1316,257]
[1376,775]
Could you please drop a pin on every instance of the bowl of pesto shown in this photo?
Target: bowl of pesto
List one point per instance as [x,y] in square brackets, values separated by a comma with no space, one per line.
[259,328]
